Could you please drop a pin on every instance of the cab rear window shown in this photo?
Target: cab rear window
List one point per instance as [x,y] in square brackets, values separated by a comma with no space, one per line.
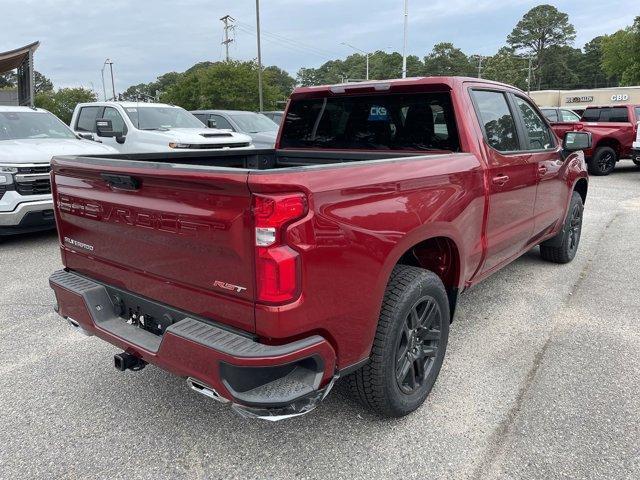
[420,121]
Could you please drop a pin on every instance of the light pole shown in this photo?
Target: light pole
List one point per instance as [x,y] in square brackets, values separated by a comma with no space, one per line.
[404,46]
[366,54]
[261,101]
[113,85]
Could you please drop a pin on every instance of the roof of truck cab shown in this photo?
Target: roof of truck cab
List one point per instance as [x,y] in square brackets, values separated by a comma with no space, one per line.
[224,112]
[381,85]
[126,104]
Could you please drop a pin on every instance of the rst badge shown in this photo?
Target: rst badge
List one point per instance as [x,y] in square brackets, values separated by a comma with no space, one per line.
[229,286]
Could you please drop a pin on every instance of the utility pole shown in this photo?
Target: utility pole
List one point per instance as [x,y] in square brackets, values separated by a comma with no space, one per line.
[113,84]
[259,56]
[529,76]
[228,25]
[404,47]
[480,58]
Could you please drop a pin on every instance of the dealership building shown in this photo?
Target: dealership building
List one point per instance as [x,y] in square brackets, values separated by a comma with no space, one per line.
[581,99]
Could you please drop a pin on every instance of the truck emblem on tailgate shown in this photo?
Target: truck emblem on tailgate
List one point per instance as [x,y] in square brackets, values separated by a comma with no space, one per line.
[228,286]
[78,244]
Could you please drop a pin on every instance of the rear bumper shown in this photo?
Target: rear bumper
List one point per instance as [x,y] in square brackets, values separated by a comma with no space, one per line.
[260,380]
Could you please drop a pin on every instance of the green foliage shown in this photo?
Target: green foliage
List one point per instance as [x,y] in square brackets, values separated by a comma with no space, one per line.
[41,83]
[506,67]
[621,54]
[227,85]
[447,60]
[540,30]
[63,101]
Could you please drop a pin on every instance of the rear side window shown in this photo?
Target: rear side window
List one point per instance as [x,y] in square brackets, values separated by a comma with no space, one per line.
[420,121]
[550,113]
[496,120]
[87,119]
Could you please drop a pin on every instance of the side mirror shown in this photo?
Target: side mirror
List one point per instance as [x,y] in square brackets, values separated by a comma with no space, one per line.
[574,141]
[211,123]
[86,136]
[104,128]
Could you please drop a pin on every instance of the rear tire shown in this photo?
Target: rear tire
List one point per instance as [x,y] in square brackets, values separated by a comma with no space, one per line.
[409,345]
[637,162]
[603,161]
[563,247]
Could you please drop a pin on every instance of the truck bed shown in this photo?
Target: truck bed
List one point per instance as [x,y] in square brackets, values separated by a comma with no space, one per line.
[263,159]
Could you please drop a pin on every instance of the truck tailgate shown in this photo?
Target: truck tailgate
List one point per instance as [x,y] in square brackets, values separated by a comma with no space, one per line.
[177,235]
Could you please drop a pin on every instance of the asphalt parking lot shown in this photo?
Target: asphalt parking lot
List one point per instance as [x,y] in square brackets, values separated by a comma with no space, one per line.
[541,380]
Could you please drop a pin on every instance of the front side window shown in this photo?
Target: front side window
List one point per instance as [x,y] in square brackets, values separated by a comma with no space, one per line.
[87,119]
[538,134]
[383,121]
[116,120]
[161,118]
[496,120]
[637,114]
[32,125]
[221,122]
[254,122]
[569,116]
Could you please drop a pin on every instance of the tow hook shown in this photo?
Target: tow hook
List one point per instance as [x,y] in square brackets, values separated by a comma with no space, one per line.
[125,361]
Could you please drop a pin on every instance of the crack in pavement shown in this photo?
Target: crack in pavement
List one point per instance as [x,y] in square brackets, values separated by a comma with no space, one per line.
[497,440]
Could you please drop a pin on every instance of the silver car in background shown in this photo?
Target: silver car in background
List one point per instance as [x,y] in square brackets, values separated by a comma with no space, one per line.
[261,129]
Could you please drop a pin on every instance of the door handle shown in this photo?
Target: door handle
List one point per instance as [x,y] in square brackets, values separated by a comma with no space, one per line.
[500,180]
[542,170]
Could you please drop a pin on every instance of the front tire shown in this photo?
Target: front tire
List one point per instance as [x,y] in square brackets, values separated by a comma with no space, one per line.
[603,161]
[409,346]
[563,247]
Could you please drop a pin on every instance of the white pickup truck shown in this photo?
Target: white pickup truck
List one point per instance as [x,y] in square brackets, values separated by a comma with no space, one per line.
[635,148]
[132,127]
[28,139]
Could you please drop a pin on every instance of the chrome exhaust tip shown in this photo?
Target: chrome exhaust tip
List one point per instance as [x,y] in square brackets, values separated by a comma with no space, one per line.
[205,390]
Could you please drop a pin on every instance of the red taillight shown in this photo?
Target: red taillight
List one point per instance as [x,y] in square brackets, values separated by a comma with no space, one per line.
[277,264]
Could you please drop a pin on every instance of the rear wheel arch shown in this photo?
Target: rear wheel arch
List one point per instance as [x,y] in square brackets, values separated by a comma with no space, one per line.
[610,142]
[440,255]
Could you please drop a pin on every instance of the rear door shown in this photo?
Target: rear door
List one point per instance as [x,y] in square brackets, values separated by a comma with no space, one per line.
[176,234]
[512,178]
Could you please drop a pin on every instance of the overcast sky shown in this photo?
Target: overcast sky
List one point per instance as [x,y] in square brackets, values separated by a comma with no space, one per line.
[147,38]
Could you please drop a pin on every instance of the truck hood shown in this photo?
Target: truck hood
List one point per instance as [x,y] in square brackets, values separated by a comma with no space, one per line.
[202,135]
[40,150]
[264,139]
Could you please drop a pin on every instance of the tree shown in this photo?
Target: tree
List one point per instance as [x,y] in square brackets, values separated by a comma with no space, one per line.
[63,101]
[541,28]
[41,83]
[590,70]
[621,54]
[280,79]
[445,59]
[222,85]
[505,66]
[8,80]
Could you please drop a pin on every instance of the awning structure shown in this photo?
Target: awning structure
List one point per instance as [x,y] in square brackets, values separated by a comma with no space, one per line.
[22,60]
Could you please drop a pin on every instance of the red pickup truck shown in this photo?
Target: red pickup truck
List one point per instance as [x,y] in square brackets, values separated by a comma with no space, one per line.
[262,276]
[614,130]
